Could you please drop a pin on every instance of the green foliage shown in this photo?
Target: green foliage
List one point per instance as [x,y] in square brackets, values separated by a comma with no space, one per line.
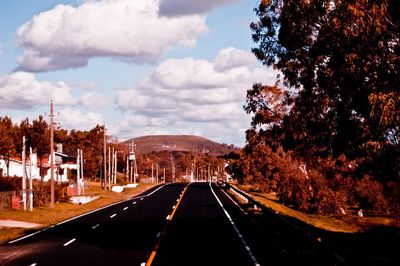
[336,111]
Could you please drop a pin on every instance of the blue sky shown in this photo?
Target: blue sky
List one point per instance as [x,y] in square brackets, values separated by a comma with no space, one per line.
[143,67]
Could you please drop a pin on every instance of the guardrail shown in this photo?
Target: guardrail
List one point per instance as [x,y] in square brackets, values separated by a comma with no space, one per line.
[246,198]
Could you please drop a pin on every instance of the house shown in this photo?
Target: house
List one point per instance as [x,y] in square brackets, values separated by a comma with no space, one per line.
[62,163]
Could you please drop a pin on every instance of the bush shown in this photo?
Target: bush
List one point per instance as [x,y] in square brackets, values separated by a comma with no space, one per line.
[10,183]
[369,194]
[41,194]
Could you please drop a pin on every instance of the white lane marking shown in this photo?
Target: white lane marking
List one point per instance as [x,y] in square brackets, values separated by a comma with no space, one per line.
[168,217]
[141,198]
[143,264]
[69,242]
[156,190]
[158,235]
[79,216]
[173,207]
[125,208]
[95,226]
[21,238]
[177,200]
[134,202]
[33,264]
[246,246]
[112,216]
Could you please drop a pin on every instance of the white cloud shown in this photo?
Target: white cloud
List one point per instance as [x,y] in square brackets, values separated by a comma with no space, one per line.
[231,57]
[67,37]
[21,90]
[189,95]
[93,101]
[185,7]
[70,118]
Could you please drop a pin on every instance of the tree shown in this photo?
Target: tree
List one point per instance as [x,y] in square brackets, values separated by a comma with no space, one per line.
[343,59]
[7,136]
[333,119]
[40,140]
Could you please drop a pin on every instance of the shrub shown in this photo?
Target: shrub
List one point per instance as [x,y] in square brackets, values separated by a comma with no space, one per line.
[369,194]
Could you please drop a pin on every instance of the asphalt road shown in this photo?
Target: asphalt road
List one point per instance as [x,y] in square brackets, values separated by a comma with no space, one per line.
[173,224]
[122,234]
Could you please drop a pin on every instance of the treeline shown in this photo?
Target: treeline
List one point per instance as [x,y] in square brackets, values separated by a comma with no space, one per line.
[37,135]
[325,138]
[184,163]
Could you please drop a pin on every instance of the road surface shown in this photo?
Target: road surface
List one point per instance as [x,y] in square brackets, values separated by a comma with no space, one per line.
[173,224]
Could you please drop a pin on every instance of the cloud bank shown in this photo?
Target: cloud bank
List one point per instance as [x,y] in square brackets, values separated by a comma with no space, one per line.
[67,37]
[21,90]
[194,95]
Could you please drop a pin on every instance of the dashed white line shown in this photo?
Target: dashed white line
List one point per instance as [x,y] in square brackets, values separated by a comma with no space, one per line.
[69,242]
[236,229]
[143,264]
[141,198]
[158,235]
[33,264]
[133,203]
[173,207]
[95,226]
[125,208]
[168,217]
[177,200]
[76,217]
[112,216]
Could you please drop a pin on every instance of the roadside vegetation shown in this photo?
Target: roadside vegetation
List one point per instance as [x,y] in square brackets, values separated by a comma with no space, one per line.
[325,138]
[334,223]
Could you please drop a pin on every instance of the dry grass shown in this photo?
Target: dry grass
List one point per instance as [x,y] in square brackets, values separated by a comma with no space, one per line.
[46,216]
[342,223]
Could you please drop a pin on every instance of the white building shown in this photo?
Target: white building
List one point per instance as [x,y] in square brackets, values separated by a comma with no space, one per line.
[32,167]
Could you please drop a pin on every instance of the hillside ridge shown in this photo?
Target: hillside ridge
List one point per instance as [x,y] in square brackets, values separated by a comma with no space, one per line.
[192,143]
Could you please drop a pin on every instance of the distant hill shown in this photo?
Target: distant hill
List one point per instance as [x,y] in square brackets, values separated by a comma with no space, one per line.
[148,144]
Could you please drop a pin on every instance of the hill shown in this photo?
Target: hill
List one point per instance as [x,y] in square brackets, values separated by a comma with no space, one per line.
[148,144]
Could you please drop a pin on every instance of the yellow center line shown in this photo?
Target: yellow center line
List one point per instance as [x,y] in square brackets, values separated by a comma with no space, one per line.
[154,252]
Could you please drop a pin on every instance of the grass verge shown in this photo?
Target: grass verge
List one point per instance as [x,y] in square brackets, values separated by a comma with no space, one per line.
[337,223]
[46,216]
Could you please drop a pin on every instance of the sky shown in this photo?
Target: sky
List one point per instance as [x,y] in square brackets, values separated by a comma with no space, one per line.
[141,67]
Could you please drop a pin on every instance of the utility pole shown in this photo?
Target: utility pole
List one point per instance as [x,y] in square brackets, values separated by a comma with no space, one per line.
[23,173]
[132,157]
[30,181]
[112,166]
[78,172]
[209,173]
[127,169]
[115,167]
[157,172]
[152,172]
[135,172]
[82,179]
[51,156]
[109,168]
[103,184]
[172,169]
